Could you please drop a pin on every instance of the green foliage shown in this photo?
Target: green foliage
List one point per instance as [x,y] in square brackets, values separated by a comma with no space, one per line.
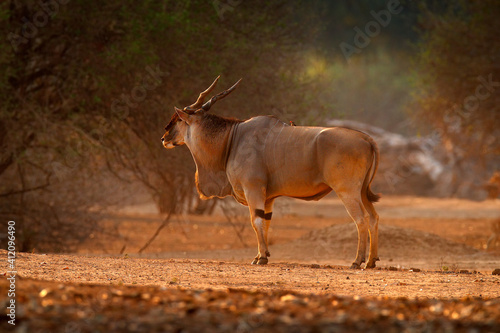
[59,123]
[458,56]
[374,89]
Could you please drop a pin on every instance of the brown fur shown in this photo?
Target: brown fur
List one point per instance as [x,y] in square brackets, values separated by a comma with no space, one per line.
[173,120]
[216,124]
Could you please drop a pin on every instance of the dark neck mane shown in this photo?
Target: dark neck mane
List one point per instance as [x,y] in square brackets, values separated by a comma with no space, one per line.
[211,179]
[214,125]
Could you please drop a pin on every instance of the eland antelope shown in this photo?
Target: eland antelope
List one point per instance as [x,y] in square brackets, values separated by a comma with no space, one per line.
[263,158]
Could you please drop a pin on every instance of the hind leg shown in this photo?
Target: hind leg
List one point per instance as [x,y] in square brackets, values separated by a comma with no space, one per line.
[360,216]
[373,228]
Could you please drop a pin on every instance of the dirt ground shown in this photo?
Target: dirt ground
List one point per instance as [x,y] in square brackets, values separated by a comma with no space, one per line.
[435,273]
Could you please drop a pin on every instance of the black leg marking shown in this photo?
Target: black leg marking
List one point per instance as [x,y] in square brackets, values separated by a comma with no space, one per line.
[260,213]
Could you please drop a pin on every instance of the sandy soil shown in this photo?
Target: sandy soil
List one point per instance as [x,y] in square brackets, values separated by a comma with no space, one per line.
[434,274]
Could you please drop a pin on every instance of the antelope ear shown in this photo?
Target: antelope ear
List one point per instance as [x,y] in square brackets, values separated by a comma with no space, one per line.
[183,115]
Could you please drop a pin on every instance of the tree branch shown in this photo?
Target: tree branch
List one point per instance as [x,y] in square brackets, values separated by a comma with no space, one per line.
[165,222]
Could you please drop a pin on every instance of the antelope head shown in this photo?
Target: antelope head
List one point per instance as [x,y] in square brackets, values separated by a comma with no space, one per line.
[178,127]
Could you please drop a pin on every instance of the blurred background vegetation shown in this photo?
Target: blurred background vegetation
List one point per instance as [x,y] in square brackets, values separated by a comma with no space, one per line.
[88,86]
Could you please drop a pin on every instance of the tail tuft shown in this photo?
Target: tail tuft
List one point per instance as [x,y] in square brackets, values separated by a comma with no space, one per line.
[372,196]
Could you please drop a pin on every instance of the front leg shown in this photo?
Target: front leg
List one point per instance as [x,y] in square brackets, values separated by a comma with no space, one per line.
[259,225]
[256,202]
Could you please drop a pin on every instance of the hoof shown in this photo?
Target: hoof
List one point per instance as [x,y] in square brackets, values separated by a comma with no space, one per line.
[371,263]
[355,266]
[262,261]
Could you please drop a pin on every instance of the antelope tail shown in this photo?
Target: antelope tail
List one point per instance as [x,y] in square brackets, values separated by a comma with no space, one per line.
[376,154]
